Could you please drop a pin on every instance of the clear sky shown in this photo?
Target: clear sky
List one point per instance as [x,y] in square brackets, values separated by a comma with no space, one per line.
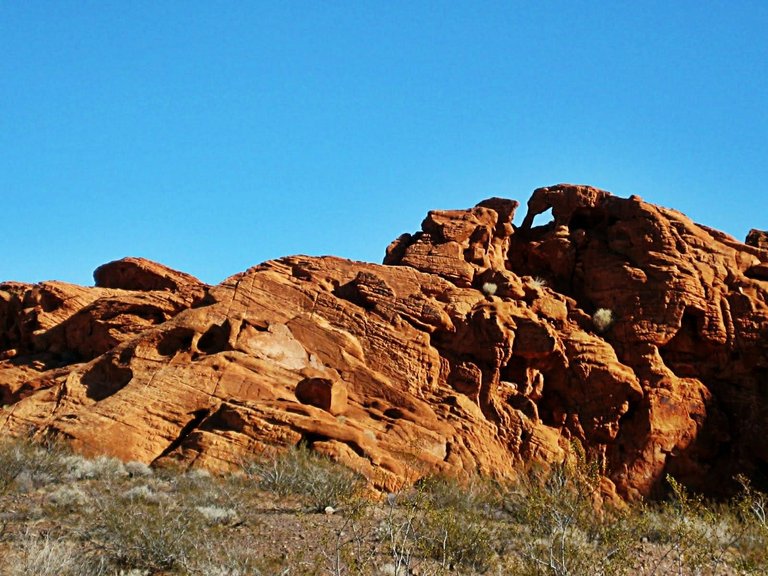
[211,136]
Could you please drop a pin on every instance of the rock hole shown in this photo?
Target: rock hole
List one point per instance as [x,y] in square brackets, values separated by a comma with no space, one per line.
[323,393]
[125,355]
[225,418]
[481,235]
[351,293]
[524,405]
[586,219]
[308,439]
[682,354]
[355,447]
[516,370]
[215,339]
[175,340]
[49,302]
[258,325]
[628,416]
[151,313]
[105,378]
[543,219]
[206,300]
[759,272]
[552,409]
[394,413]
[68,357]
[364,290]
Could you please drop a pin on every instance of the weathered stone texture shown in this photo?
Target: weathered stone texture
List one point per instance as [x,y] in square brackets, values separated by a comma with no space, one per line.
[412,367]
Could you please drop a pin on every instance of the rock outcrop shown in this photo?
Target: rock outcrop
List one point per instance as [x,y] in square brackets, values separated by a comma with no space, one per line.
[473,348]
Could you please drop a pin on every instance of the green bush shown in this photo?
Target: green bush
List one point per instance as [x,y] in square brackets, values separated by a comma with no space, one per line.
[469,495]
[25,465]
[457,526]
[298,471]
[564,533]
[136,532]
[456,538]
[701,537]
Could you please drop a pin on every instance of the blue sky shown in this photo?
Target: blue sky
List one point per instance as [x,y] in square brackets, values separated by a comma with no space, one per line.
[211,136]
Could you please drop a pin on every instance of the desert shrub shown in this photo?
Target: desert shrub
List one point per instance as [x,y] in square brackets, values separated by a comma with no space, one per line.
[141,533]
[227,567]
[136,469]
[217,515]
[471,494]
[687,532]
[446,523]
[752,511]
[198,475]
[67,497]
[197,485]
[25,464]
[221,556]
[100,467]
[298,471]
[39,555]
[201,489]
[100,517]
[143,492]
[490,288]
[602,319]
[456,538]
[563,532]
[459,525]
[539,282]
[699,537]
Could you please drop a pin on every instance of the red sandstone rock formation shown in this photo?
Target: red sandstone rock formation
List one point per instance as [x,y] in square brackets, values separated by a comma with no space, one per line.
[472,349]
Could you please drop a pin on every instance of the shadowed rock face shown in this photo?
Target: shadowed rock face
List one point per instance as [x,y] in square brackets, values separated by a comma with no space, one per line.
[473,348]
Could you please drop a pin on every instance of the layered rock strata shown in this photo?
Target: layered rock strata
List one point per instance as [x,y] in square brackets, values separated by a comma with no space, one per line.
[477,346]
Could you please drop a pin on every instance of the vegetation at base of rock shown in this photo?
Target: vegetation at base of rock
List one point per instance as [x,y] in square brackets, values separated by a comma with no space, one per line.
[56,520]
[301,472]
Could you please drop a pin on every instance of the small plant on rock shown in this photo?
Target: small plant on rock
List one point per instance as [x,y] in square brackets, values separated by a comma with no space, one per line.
[602,319]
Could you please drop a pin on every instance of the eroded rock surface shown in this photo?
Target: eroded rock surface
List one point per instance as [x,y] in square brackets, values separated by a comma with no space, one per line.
[472,349]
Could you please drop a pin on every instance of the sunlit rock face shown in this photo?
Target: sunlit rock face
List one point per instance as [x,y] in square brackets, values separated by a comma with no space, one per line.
[477,346]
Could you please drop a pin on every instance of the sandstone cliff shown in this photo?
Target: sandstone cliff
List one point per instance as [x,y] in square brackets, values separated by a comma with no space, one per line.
[474,347]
